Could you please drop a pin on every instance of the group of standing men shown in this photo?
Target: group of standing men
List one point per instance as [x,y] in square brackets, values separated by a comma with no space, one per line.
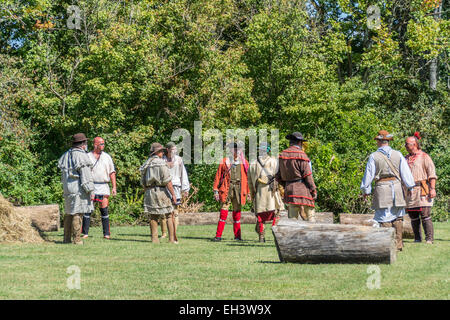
[86,178]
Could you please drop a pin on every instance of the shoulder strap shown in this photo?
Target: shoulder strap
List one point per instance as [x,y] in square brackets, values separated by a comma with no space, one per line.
[391,165]
[263,166]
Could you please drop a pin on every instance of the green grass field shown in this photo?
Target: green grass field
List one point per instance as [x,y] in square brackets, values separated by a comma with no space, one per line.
[129,266]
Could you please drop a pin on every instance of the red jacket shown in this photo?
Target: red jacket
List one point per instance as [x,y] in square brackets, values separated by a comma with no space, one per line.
[223,170]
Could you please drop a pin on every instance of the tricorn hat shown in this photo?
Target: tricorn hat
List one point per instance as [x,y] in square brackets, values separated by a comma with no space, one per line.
[79,137]
[295,136]
[156,147]
[384,135]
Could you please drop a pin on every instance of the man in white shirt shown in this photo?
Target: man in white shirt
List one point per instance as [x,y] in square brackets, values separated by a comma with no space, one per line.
[103,172]
[180,180]
[389,169]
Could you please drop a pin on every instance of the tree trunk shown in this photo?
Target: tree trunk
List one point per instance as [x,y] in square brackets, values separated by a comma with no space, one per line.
[434,61]
[304,242]
[367,220]
[44,218]
[205,218]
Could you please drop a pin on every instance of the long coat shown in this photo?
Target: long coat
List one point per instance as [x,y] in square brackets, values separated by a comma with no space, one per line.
[155,175]
[264,199]
[296,177]
[76,177]
[223,171]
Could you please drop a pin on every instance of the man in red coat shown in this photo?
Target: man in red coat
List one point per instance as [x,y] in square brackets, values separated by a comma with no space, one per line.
[231,187]
[295,174]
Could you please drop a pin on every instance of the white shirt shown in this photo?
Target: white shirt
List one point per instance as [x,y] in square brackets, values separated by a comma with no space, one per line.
[102,167]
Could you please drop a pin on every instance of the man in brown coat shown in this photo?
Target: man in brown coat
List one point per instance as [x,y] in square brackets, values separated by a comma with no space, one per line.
[295,175]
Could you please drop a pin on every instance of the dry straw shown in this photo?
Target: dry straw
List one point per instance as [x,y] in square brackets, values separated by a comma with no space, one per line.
[15,227]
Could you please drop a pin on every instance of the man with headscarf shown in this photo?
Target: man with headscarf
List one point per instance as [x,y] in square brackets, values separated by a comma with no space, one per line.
[231,188]
[159,196]
[180,181]
[389,169]
[419,203]
[103,172]
[78,185]
[295,175]
[263,187]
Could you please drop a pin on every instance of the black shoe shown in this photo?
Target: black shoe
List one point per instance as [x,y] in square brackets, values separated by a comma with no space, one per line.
[238,239]
[217,239]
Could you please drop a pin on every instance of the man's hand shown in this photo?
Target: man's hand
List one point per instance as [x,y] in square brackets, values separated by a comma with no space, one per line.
[249,197]
[216,196]
[92,196]
[185,194]
[314,194]
[409,193]
[365,196]
[114,192]
[432,193]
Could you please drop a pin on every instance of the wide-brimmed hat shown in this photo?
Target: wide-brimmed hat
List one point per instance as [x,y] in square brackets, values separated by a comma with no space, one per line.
[156,147]
[295,136]
[384,135]
[79,137]
[170,145]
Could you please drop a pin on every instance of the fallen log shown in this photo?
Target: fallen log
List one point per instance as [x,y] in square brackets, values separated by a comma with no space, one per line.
[44,217]
[367,220]
[304,242]
[247,217]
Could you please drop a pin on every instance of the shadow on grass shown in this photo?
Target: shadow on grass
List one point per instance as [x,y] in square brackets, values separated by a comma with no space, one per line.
[254,244]
[133,240]
[271,262]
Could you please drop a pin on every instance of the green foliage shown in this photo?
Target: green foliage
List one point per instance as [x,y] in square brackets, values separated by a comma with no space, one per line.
[138,70]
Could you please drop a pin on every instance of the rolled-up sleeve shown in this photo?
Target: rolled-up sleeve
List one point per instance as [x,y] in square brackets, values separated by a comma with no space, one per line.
[405,173]
[369,175]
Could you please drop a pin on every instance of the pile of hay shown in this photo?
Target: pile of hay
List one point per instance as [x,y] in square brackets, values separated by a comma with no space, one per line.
[15,227]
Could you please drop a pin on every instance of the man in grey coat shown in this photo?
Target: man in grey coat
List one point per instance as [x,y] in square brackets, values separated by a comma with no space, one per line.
[78,185]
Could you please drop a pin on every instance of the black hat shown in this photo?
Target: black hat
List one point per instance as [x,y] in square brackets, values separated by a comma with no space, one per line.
[295,136]
[79,137]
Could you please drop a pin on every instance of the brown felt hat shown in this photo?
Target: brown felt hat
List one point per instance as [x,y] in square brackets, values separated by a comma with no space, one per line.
[79,137]
[384,135]
[156,147]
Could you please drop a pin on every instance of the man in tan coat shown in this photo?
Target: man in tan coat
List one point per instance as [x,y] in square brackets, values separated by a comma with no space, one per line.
[263,187]
[157,181]
[419,203]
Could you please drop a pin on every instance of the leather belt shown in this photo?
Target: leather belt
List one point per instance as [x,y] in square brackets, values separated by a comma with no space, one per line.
[386,179]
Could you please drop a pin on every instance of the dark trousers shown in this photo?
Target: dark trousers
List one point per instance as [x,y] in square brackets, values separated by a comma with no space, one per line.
[424,214]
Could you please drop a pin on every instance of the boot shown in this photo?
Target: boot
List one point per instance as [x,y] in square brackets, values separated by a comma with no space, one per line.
[262,236]
[105,222]
[171,227]
[163,227]
[398,226]
[76,228]
[415,224]
[428,229]
[86,223]
[67,228]
[154,230]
